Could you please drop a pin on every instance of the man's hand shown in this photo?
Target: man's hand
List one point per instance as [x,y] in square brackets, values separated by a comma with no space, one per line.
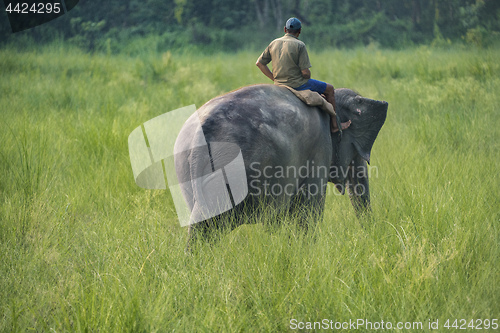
[264,69]
[306,73]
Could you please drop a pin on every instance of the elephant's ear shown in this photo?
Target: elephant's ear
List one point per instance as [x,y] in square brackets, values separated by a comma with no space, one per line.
[365,132]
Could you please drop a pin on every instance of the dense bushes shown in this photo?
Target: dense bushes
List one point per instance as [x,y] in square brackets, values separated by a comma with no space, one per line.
[237,24]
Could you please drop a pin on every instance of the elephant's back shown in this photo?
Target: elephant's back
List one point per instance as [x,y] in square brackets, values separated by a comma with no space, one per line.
[255,113]
[268,123]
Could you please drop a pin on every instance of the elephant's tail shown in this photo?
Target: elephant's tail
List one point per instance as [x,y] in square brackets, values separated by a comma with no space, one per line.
[200,168]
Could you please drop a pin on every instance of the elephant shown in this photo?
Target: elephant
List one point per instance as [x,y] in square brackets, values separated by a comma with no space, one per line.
[282,153]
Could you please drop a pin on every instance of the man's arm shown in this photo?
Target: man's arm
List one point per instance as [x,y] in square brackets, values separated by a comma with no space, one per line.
[264,69]
[306,73]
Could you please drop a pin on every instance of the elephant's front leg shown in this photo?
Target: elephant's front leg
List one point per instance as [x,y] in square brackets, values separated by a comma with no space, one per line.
[309,203]
[358,186]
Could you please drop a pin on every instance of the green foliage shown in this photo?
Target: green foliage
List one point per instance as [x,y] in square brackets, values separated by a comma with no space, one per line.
[84,249]
[476,36]
[86,33]
[233,25]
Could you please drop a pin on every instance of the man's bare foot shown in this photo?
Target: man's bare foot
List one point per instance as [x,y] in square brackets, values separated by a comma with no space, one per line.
[334,128]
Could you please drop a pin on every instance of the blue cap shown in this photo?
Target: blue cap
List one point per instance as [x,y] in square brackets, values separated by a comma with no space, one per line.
[293,24]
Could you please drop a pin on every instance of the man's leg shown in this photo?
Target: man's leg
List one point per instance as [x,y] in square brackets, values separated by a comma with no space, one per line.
[328,91]
[330,97]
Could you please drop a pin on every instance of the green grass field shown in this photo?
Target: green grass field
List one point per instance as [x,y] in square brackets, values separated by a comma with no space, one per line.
[84,249]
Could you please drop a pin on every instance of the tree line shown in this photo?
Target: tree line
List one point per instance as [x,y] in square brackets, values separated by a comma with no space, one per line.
[236,24]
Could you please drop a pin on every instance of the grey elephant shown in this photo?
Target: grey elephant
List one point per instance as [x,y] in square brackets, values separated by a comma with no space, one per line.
[260,146]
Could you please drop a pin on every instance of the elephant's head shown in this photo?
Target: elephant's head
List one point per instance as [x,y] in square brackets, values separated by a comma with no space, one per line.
[352,151]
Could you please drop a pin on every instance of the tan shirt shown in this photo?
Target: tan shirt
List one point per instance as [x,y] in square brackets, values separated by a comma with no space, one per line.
[289,57]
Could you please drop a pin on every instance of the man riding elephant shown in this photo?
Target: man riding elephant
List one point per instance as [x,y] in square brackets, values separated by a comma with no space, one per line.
[291,67]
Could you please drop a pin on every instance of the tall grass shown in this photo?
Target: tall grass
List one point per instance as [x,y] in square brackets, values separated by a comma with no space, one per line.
[84,249]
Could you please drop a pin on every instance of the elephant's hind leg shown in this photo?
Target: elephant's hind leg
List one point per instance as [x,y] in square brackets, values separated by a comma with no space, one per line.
[209,231]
